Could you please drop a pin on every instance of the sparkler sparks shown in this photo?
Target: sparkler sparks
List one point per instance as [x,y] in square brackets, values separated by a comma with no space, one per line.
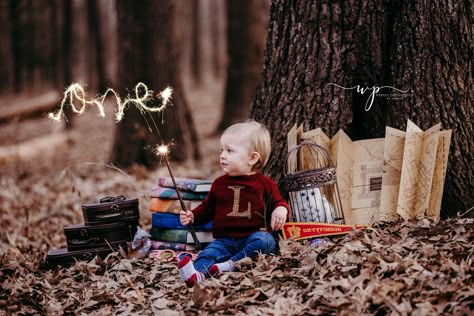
[162,150]
[166,95]
[142,95]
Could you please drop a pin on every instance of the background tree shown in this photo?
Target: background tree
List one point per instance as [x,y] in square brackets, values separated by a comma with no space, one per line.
[196,40]
[149,54]
[30,38]
[247,28]
[422,46]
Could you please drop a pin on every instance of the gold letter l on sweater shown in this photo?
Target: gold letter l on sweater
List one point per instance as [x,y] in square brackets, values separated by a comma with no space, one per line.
[235,209]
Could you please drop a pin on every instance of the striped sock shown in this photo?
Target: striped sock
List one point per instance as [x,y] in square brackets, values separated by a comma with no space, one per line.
[217,268]
[197,277]
[187,272]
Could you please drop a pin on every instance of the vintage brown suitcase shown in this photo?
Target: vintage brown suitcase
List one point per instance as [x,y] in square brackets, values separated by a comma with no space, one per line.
[111,209]
[66,257]
[80,236]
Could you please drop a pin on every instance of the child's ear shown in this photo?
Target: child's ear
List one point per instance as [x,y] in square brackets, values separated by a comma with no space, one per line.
[254,158]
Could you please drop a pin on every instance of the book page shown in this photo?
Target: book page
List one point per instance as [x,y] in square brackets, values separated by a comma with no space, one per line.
[366,180]
[426,170]
[311,158]
[437,185]
[392,171]
[361,215]
[342,152]
[417,170]
[292,140]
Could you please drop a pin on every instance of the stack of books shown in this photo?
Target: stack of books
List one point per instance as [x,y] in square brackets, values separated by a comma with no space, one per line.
[166,229]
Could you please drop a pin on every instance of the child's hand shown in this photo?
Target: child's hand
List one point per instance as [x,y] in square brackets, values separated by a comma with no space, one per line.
[278,217]
[186,217]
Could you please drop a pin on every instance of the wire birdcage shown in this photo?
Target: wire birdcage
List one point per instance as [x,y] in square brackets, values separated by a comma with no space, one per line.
[310,177]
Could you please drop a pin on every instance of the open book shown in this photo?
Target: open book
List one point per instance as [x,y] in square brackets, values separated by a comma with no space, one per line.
[383,178]
[414,172]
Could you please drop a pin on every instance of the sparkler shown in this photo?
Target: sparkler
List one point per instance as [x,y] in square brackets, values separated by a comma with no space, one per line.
[142,95]
[163,151]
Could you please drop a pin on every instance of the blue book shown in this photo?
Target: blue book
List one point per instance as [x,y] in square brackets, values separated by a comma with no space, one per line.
[171,221]
[171,194]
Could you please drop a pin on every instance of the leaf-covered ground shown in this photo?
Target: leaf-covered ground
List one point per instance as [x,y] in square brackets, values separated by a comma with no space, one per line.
[399,268]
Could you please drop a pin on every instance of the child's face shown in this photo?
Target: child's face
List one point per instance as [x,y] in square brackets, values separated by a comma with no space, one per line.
[235,155]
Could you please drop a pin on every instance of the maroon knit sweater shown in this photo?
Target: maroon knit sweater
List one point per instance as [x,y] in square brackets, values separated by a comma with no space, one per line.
[239,206]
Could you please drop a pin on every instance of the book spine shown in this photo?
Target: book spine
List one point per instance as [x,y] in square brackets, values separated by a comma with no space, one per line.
[202,236]
[171,221]
[170,194]
[169,235]
[181,184]
[160,245]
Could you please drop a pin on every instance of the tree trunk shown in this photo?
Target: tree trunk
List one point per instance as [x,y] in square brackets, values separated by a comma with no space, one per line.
[80,48]
[97,28]
[21,29]
[218,26]
[314,44]
[246,30]
[196,37]
[149,54]
[311,44]
[29,51]
[6,44]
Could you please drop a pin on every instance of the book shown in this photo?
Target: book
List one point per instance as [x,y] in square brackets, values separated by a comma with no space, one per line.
[186,184]
[161,245]
[402,174]
[171,221]
[170,194]
[171,206]
[179,235]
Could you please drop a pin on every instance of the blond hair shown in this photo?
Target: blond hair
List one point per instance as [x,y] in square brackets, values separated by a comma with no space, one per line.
[258,137]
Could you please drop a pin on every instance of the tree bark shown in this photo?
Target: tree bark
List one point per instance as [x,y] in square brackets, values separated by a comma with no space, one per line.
[311,44]
[407,45]
[218,22]
[6,44]
[97,28]
[196,47]
[246,31]
[149,54]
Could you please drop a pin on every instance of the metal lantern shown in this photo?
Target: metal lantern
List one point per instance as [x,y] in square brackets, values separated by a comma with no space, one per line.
[311,182]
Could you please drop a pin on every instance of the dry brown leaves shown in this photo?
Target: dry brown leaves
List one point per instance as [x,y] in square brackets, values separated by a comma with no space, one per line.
[398,269]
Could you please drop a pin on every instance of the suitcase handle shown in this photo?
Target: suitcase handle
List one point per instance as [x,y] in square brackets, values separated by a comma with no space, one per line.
[109,216]
[83,242]
[113,215]
[112,198]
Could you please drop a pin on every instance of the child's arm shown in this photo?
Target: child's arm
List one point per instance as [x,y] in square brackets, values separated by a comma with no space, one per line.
[279,215]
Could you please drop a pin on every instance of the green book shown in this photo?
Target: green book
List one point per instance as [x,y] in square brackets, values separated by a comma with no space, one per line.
[179,235]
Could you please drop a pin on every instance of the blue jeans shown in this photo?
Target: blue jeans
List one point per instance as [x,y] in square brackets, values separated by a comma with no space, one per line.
[228,248]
